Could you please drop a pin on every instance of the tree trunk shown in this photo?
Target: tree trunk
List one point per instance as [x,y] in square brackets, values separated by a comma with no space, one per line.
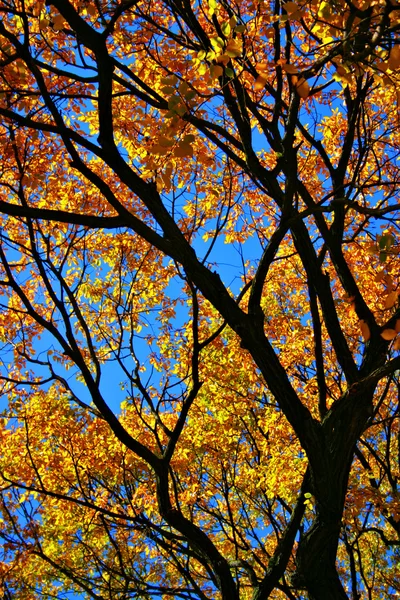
[329,470]
[316,556]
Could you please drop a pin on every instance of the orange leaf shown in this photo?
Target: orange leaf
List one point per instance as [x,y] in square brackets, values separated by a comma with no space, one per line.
[216,71]
[365,331]
[291,69]
[165,142]
[389,282]
[388,334]
[352,309]
[223,58]
[183,149]
[158,149]
[293,10]
[391,299]
[290,7]
[303,88]
[394,58]
[91,10]
[43,23]
[58,22]
[233,48]
[260,82]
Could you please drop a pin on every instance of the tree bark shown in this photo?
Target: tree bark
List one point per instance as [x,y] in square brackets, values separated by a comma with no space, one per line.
[316,555]
[316,570]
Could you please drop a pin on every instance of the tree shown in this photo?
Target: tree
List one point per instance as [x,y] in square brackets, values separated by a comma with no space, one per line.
[256,451]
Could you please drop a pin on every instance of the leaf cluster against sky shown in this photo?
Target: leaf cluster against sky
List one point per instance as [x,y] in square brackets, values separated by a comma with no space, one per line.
[199,222]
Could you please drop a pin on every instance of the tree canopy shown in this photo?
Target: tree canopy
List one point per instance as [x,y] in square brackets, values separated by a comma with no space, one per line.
[199,289]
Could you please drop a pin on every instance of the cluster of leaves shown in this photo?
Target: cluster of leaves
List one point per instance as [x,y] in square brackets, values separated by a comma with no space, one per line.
[199,271]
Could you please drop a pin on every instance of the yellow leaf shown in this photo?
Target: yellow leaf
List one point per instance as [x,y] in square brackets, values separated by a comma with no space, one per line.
[226,28]
[344,79]
[19,22]
[341,69]
[217,42]
[324,11]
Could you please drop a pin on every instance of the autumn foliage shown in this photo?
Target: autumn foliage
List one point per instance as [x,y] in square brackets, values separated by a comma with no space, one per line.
[199,289]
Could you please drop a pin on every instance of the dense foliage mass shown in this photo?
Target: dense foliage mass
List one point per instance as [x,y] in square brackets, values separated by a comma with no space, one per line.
[199,289]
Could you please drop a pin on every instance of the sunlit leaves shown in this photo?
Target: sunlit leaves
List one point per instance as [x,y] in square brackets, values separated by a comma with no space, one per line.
[227,180]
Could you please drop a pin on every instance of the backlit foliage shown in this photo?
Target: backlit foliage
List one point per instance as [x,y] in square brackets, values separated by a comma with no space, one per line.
[199,289]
